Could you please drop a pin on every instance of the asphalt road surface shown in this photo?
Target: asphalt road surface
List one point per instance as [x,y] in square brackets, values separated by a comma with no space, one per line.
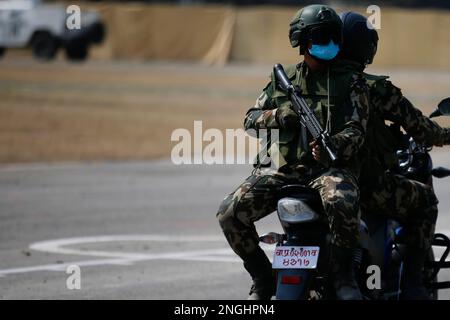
[136,230]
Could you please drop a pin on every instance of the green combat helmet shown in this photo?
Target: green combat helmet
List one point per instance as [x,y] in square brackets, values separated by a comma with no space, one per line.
[315,21]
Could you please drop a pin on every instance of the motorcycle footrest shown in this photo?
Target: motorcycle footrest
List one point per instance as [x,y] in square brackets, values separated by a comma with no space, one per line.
[438,264]
[440,243]
[440,285]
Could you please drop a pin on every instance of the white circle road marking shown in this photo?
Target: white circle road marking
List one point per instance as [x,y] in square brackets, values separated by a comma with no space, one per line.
[58,246]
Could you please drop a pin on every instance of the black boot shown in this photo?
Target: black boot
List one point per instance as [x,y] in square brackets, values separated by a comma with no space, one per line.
[260,269]
[343,274]
[412,276]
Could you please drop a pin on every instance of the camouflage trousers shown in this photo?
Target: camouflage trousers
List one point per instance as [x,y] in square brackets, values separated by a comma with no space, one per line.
[410,202]
[257,198]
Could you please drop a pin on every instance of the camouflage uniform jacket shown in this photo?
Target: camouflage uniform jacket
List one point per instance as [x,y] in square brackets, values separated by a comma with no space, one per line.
[388,103]
[348,110]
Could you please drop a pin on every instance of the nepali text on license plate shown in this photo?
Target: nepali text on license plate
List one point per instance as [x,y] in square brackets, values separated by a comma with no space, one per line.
[293,257]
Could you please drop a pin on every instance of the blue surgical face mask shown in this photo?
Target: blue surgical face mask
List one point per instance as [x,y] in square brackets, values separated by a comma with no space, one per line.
[324,52]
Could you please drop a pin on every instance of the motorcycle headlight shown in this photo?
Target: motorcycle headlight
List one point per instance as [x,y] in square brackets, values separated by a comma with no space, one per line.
[295,211]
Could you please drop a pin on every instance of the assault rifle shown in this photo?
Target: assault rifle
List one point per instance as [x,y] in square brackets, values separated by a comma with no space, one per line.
[307,117]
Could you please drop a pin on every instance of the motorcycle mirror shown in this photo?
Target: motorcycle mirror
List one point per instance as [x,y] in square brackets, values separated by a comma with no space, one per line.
[443,109]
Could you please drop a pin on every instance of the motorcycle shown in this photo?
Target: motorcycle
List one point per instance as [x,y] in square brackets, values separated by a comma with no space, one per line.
[301,257]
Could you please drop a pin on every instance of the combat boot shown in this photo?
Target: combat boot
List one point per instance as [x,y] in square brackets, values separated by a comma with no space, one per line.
[260,269]
[343,274]
[413,287]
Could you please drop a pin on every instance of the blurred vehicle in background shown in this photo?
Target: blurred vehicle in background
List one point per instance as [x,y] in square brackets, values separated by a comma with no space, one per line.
[42,27]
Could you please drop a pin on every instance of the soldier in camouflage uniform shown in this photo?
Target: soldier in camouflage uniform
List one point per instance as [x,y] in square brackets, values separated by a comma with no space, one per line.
[339,100]
[412,203]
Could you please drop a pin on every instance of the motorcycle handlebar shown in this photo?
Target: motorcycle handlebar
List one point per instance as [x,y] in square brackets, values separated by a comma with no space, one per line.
[440,172]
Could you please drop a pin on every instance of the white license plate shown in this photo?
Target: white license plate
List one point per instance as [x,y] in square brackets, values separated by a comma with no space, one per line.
[293,257]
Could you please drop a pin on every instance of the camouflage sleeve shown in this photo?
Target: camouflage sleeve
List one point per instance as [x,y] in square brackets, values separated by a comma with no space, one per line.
[262,115]
[348,141]
[399,109]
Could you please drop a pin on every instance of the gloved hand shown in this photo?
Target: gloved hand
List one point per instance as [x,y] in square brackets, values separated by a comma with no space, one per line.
[316,150]
[287,118]
[319,154]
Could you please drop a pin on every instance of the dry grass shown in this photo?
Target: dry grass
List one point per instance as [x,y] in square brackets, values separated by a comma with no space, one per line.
[59,112]
[128,110]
